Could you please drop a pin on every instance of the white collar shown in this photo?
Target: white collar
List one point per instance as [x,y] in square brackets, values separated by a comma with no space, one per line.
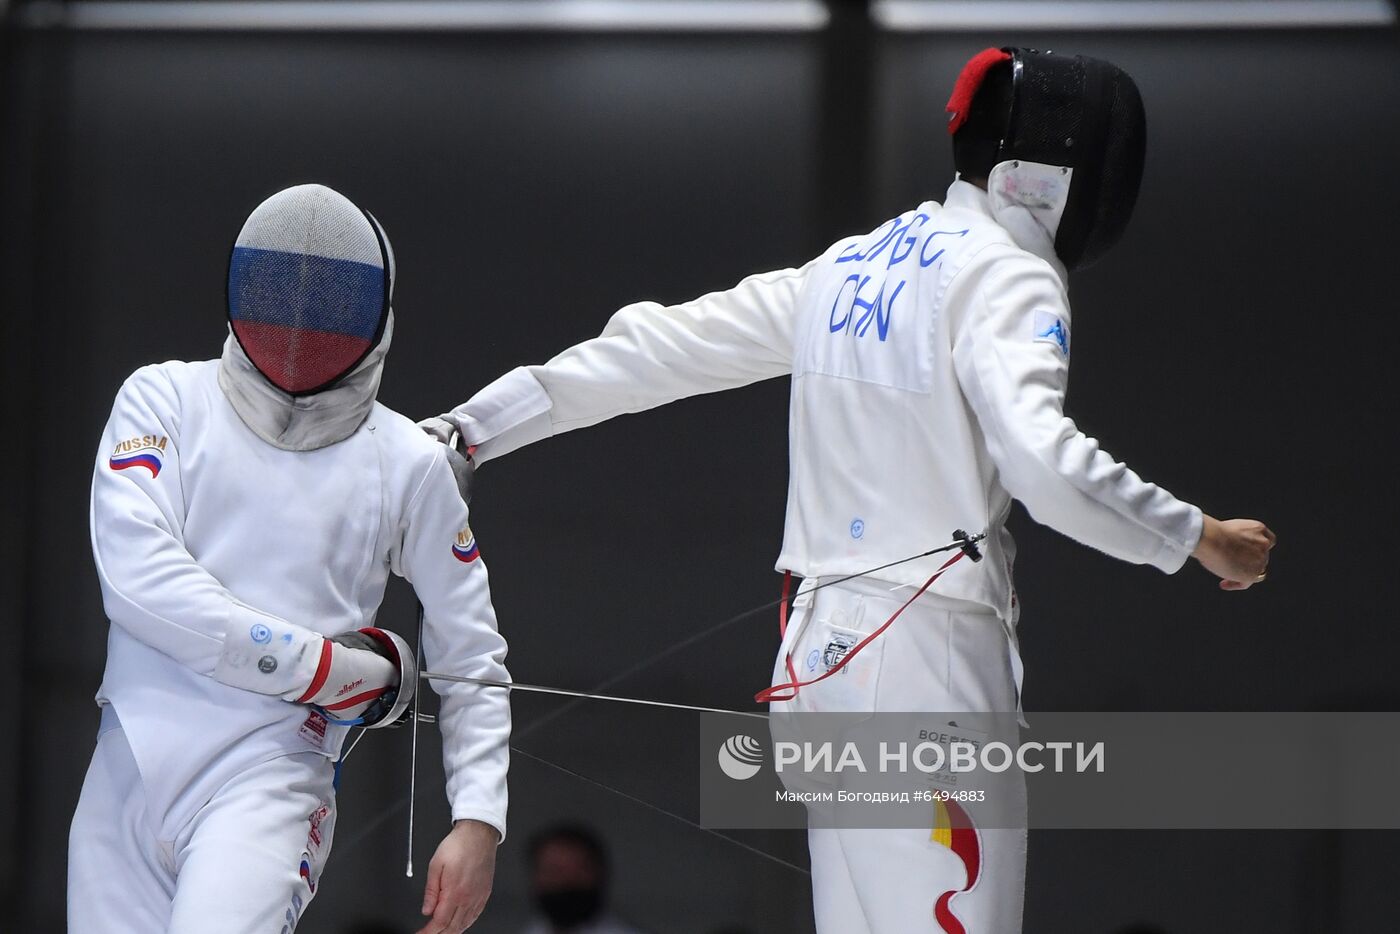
[1022,225]
[302,423]
[969,197]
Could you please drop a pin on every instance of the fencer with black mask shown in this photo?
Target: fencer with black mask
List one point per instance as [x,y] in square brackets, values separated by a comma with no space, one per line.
[246,515]
[931,356]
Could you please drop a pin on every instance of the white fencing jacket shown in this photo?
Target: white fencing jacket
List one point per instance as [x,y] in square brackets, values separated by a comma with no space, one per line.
[929,361]
[207,538]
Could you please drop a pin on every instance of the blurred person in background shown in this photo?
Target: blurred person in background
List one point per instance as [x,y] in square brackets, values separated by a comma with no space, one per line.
[569,876]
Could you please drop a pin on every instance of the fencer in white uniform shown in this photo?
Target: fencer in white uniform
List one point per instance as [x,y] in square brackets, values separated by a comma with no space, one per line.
[929,362]
[246,515]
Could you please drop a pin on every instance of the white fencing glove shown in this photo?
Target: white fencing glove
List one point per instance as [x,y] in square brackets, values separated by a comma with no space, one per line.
[441,430]
[459,453]
[354,673]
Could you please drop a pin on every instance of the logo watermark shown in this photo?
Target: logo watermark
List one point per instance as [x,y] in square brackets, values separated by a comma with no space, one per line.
[740,757]
[1186,771]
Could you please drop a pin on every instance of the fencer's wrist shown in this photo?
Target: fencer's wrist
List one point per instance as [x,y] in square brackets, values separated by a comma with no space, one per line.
[1210,538]
[472,828]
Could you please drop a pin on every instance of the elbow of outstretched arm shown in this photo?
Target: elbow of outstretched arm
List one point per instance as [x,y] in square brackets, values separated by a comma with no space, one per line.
[1053,458]
[1065,482]
[1039,469]
[1030,465]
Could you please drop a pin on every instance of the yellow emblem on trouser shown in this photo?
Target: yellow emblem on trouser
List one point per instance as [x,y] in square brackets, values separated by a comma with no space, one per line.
[954,829]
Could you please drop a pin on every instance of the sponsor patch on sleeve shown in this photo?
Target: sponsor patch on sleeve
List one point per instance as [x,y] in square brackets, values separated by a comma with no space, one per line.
[464,548]
[1050,329]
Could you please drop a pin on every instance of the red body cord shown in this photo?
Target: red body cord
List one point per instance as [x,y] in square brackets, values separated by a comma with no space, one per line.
[793,686]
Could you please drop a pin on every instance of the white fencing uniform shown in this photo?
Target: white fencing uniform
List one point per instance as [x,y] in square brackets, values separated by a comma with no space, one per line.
[209,808]
[251,861]
[929,361]
[941,655]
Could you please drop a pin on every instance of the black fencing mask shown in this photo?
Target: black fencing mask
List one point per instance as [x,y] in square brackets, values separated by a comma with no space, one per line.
[1061,141]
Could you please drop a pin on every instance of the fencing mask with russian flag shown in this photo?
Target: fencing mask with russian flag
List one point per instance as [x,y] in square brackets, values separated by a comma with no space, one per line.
[308,288]
[309,285]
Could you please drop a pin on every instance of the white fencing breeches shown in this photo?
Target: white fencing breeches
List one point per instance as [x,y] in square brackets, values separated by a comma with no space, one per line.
[939,656]
[250,860]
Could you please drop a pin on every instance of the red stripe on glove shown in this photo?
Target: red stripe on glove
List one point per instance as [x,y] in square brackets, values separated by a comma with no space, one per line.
[323,668]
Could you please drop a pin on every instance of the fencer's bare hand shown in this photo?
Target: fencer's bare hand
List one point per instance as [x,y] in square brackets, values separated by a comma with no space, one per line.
[460,877]
[1236,551]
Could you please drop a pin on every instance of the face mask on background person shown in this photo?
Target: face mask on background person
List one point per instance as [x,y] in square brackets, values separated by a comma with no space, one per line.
[568,908]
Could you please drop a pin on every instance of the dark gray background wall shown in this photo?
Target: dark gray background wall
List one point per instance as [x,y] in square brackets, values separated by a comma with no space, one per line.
[1236,348]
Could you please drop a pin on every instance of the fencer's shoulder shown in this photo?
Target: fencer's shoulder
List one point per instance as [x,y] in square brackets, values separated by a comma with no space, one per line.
[416,470]
[990,255]
[979,234]
[171,379]
[410,445]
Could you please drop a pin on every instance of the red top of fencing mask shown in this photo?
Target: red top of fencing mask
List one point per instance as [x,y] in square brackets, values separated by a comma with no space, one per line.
[973,73]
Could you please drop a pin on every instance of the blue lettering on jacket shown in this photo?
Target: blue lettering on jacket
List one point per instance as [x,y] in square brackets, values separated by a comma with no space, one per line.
[841,325]
[930,260]
[877,310]
[857,313]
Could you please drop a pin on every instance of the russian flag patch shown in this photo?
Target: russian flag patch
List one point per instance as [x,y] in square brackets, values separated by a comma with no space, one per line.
[146,451]
[149,461]
[464,549]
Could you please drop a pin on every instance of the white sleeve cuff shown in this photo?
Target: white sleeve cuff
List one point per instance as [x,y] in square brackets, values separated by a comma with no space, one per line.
[1174,552]
[265,654]
[510,413]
